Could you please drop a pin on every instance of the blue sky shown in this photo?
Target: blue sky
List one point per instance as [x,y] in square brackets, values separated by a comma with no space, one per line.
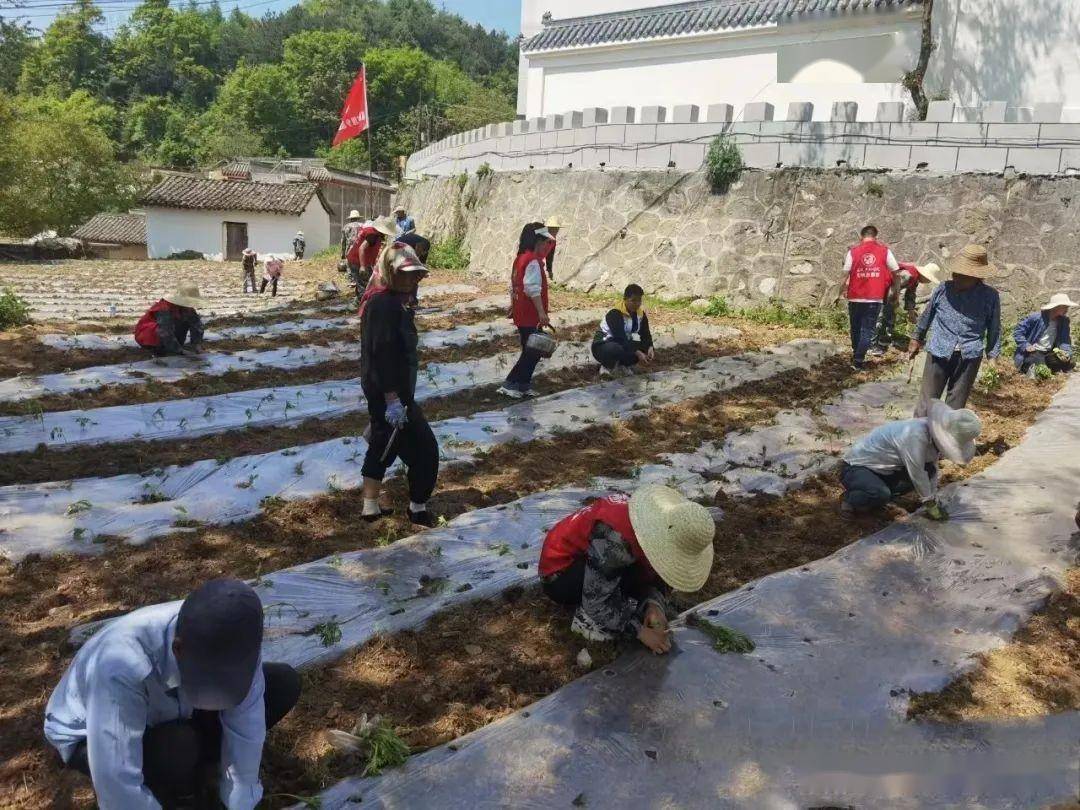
[501,14]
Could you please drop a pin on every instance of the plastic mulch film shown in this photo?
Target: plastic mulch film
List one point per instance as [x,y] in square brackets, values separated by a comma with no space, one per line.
[55,517]
[815,715]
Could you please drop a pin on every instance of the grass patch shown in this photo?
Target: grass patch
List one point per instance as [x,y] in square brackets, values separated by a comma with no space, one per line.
[449,254]
[723,163]
[724,639]
[831,319]
[13,311]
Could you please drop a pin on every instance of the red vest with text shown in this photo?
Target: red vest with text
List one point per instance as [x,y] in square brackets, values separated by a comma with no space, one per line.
[146,333]
[870,276]
[364,253]
[522,309]
[569,538]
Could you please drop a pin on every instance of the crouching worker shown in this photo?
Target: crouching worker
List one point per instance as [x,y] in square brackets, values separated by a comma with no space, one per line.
[902,456]
[171,322]
[160,702]
[623,339]
[1043,338]
[618,558]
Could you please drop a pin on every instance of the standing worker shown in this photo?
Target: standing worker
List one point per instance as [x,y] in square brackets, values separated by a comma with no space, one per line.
[1043,338]
[623,339]
[298,245]
[161,701]
[247,260]
[403,223]
[869,266]
[964,320]
[171,322]
[547,249]
[528,307]
[349,231]
[388,367]
[907,279]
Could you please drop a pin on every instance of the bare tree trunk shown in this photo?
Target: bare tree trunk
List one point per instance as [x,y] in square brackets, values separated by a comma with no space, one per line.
[914,79]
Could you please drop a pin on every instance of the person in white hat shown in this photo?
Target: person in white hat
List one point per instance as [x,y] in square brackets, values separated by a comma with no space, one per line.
[248,260]
[170,323]
[403,223]
[963,320]
[547,248]
[298,245]
[902,456]
[908,279]
[364,253]
[529,308]
[349,231]
[617,560]
[1044,338]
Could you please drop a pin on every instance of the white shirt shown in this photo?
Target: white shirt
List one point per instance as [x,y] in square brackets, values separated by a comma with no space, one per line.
[903,445]
[124,680]
[533,281]
[1044,343]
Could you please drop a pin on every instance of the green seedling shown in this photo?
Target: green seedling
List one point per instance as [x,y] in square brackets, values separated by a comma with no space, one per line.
[332,486]
[298,468]
[336,561]
[222,460]
[78,533]
[383,587]
[501,549]
[79,506]
[386,539]
[989,379]
[288,452]
[1043,372]
[270,502]
[724,639]
[247,482]
[153,495]
[329,633]
[376,741]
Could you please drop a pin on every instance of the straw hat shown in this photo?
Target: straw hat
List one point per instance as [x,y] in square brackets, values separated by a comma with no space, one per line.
[931,272]
[553,222]
[972,261]
[354,214]
[400,209]
[1059,300]
[954,431]
[187,295]
[249,252]
[385,225]
[676,535]
[299,233]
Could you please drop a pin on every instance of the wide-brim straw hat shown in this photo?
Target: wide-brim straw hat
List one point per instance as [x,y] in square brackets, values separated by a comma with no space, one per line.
[954,431]
[354,214]
[1059,300]
[553,222]
[972,261]
[248,252]
[187,295]
[675,534]
[385,226]
[931,272]
[399,210]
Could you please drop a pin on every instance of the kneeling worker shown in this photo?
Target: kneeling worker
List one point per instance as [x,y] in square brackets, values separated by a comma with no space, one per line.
[171,322]
[618,558]
[158,695]
[623,339]
[901,456]
[1043,338]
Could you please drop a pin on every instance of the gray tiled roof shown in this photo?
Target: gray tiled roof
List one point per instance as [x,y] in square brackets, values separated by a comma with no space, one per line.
[231,195]
[114,229]
[688,18]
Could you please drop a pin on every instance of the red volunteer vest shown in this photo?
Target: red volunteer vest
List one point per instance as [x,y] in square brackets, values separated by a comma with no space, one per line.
[522,309]
[569,538]
[363,254]
[870,276]
[913,274]
[146,329]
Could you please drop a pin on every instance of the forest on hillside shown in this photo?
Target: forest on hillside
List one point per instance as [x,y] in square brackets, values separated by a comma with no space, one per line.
[83,107]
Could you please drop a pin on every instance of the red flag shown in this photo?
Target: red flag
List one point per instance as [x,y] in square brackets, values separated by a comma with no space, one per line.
[354,115]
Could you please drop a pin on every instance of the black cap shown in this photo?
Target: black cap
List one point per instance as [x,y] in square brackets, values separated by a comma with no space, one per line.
[220,629]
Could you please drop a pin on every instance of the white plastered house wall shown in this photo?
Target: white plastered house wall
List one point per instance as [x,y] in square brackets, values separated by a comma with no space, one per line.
[173,230]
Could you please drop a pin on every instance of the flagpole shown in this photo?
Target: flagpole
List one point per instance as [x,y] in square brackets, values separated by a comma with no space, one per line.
[370,156]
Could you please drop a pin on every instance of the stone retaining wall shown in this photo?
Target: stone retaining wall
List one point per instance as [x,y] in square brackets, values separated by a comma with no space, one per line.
[773,234]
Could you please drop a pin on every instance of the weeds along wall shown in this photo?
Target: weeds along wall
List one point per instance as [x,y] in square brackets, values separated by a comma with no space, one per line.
[780,234]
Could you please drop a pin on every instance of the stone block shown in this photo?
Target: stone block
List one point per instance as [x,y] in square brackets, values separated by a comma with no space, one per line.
[489,131]
[823,155]
[503,144]
[745,129]
[505,128]
[640,133]
[666,133]
[656,156]
[760,155]
[721,113]
[917,131]
[845,111]
[981,159]
[758,111]
[688,156]
[517,143]
[934,158]
[553,122]
[993,112]
[975,133]
[572,119]
[565,137]
[890,111]
[621,115]
[940,111]
[653,114]
[1059,134]
[520,127]
[537,124]
[611,133]
[788,129]
[591,116]
[622,158]
[1047,112]
[592,157]
[1044,160]
[1021,134]
[549,140]
[585,136]
[1020,115]
[1070,161]
[882,156]
[532,141]
[800,111]
[969,115]
[685,114]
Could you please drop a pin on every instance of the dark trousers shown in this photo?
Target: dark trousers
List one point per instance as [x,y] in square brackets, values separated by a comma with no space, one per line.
[954,376]
[359,276]
[415,443]
[866,489]
[298,253]
[249,278]
[175,754]
[610,354]
[862,319]
[273,286]
[565,587]
[1049,359]
[181,332]
[520,376]
[886,324]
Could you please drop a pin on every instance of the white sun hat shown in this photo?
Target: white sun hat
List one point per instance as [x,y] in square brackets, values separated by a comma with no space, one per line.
[354,214]
[544,232]
[385,226]
[954,431]
[186,295]
[931,272]
[553,222]
[299,233]
[1059,300]
[675,534]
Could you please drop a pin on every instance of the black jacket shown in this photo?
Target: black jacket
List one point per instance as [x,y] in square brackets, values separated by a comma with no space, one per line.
[388,345]
[614,329]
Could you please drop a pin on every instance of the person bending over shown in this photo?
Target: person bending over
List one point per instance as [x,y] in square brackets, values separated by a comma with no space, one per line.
[161,699]
[171,322]
[1043,338]
[623,339]
[902,456]
[617,559]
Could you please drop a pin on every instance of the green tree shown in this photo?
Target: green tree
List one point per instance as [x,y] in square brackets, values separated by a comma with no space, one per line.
[71,56]
[261,99]
[322,66]
[16,44]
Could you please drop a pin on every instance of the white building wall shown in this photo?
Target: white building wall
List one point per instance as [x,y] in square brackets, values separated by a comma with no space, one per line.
[172,230]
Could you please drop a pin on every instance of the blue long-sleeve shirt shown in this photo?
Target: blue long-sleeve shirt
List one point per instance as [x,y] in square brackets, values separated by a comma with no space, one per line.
[124,680]
[959,321]
[1031,329]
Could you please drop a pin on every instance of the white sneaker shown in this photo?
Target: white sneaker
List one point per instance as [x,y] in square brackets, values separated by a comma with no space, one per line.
[588,629]
[513,393]
[529,394]
[605,373]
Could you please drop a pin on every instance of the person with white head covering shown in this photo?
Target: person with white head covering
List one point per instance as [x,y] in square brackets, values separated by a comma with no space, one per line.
[349,232]
[529,307]
[1044,338]
[902,456]
[907,279]
[298,245]
[170,323]
[248,260]
[618,558]
[403,222]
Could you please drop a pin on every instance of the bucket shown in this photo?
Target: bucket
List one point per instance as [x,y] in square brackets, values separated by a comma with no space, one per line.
[541,343]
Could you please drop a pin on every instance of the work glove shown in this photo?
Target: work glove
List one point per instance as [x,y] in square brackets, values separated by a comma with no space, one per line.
[936,511]
[395,414]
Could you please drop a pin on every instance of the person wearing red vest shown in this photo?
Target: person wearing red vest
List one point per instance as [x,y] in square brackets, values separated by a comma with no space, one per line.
[528,307]
[172,321]
[618,558]
[364,252]
[907,280]
[869,266]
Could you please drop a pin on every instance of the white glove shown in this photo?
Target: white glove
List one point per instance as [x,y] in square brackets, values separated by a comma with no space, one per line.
[395,414]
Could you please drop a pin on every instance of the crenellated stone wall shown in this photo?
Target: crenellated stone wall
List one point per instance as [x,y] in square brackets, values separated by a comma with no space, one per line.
[773,234]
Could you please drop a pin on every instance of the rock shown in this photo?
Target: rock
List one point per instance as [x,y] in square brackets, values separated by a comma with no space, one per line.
[473,650]
[584,660]
[700,304]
